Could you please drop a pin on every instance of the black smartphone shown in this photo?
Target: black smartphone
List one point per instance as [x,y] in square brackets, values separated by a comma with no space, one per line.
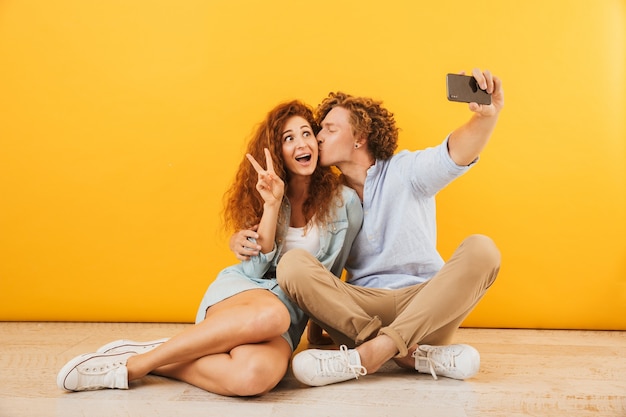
[464,88]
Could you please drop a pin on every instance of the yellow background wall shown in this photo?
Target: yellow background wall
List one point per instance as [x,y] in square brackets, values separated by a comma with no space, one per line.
[122,122]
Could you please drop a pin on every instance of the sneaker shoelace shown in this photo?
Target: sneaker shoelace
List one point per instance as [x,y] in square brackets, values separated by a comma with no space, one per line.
[445,360]
[105,375]
[339,363]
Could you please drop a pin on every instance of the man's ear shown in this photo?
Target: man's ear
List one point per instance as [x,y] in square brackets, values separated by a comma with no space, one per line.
[361,139]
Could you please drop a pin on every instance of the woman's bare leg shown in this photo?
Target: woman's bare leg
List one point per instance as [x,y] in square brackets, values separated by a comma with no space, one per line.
[252,316]
[246,370]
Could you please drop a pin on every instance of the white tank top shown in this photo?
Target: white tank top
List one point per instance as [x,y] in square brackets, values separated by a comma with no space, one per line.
[309,241]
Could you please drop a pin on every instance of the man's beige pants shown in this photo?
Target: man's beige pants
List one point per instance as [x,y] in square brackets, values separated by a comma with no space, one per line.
[427,313]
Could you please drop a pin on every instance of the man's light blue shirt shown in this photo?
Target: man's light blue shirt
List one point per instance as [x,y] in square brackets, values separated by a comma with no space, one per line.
[397,245]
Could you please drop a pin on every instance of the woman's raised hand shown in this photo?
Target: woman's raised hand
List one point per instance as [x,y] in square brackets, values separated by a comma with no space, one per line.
[269,185]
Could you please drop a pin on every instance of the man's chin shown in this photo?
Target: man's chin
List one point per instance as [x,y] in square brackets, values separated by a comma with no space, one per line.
[325,163]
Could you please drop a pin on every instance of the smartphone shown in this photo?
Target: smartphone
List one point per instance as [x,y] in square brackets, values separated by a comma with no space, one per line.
[464,88]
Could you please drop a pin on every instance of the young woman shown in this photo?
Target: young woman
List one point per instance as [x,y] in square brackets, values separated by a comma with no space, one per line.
[246,328]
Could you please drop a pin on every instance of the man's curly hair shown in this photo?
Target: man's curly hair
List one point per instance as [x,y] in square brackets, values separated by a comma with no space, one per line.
[368,119]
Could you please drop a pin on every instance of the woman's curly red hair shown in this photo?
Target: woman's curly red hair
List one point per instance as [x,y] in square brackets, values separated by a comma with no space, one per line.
[243,205]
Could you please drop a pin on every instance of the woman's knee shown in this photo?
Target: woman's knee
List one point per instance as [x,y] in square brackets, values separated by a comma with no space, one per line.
[272,318]
[259,377]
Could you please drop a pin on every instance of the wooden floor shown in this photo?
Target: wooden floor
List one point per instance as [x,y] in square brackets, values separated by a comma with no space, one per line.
[523,373]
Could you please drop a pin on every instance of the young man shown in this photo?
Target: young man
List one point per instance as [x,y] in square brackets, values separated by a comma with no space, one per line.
[426,300]
[401,300]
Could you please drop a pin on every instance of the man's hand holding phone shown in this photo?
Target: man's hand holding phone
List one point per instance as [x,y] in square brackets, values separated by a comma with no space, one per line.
[482,90]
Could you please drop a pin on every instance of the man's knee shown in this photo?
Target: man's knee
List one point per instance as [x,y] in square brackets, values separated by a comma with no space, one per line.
[485,256]
[484,249]
[290,266]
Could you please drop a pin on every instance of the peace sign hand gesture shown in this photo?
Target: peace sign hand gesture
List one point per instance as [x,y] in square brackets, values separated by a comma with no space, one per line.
[269,185]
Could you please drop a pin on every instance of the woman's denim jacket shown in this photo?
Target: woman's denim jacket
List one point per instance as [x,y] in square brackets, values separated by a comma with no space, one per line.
[336,238]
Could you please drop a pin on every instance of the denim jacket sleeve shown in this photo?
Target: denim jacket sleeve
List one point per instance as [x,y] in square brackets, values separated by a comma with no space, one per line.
[258,265]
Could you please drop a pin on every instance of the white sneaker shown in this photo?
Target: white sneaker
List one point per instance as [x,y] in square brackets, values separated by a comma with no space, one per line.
[317,367]
[93,371]
[124,345]
[453,361]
